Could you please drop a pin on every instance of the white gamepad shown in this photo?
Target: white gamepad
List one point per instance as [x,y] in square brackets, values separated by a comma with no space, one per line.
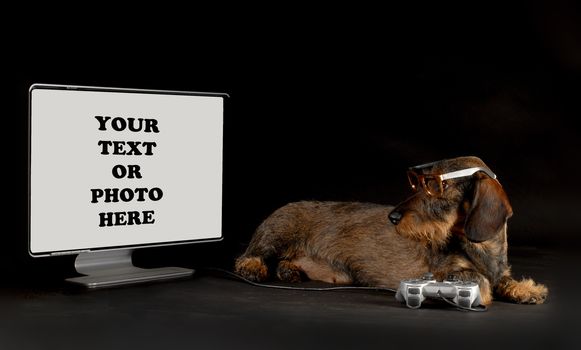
[415,291]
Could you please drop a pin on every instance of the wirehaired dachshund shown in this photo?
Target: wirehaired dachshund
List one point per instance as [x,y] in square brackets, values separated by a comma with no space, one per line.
[455,223]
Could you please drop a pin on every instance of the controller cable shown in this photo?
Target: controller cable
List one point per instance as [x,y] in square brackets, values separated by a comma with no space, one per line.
[327,289]
[480,308]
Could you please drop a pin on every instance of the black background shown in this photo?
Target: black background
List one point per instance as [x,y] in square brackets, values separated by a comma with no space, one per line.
[328,103]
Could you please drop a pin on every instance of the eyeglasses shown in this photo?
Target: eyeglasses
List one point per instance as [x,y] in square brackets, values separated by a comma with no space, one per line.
[435,184]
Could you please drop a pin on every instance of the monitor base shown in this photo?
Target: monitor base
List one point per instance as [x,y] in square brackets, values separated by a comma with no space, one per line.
[115,268]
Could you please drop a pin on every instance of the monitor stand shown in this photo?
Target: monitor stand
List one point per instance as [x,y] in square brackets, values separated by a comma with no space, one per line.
[114,268]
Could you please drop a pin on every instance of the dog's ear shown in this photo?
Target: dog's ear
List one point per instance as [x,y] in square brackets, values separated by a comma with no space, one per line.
[488,211]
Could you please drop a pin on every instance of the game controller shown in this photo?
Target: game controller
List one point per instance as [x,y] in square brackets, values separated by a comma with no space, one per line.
[461,293]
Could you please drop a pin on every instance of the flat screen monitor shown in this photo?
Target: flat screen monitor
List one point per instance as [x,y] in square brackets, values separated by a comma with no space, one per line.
[116,169]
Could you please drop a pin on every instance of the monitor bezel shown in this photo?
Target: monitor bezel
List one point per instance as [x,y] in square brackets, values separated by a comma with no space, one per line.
[118,90]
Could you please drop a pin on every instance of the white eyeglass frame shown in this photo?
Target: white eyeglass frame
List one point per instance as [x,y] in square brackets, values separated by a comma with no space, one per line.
[467,172]
[443,177]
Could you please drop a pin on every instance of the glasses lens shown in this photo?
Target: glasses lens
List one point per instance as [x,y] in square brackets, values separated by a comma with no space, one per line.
[433,185]
[413,179]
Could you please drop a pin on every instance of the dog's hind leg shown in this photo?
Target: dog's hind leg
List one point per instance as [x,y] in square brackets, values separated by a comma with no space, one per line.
[276,238]
[252,264]
[287,271]
[252,268]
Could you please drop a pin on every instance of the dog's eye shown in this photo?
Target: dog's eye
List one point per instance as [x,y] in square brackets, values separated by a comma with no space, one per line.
[433,186]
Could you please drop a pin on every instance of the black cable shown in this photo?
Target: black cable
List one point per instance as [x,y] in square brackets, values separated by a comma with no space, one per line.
[326,289]
[311,289]
[482,308]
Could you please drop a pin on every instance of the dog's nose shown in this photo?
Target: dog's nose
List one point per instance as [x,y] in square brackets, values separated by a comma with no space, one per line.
[395,217]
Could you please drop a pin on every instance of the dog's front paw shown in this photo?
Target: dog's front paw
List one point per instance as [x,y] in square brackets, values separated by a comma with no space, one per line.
[525,291]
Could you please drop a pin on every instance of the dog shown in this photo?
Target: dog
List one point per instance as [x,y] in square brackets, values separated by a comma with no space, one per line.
[455,224]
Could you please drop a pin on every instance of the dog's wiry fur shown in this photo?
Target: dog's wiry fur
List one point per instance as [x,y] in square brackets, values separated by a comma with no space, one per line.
[462,233]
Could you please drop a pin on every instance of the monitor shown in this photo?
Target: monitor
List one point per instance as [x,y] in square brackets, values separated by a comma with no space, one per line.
[112,170]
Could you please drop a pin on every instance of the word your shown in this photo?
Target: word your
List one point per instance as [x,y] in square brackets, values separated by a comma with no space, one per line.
[120,124]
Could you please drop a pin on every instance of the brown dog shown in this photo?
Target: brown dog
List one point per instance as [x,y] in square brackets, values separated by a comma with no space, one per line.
[454,224]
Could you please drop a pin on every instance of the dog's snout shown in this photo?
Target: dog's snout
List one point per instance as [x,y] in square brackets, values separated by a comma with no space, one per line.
[395,217]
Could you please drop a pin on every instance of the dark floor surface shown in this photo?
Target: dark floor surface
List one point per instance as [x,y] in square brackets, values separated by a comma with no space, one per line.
[212,311]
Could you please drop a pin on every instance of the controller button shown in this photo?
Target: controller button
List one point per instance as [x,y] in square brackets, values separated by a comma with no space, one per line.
[413,290]
[428,276]
[464,293]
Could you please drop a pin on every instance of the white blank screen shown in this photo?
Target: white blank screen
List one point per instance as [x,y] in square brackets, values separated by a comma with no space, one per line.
[68,168]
